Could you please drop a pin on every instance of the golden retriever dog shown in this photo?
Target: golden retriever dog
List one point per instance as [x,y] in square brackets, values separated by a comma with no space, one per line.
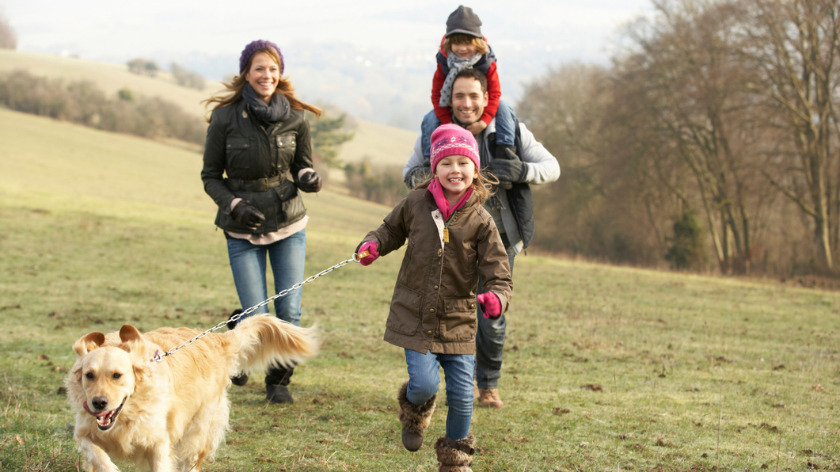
[173,414]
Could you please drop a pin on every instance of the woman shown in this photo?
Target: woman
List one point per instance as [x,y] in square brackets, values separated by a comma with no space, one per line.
[257,156]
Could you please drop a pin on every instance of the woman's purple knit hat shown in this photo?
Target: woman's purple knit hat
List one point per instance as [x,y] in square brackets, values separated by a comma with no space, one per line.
[252,49]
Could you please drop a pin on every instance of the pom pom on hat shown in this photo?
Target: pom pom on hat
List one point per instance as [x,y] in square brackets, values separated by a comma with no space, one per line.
[451,139]
[252,49]
[463,20]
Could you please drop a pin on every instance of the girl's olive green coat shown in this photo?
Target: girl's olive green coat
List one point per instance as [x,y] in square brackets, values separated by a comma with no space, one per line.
[434,303]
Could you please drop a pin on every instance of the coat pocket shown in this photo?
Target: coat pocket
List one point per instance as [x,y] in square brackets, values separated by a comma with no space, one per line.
[458,322]
[404,316]
[237,151]
[286,145]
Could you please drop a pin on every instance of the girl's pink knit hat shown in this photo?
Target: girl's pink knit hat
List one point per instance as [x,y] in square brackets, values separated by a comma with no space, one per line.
[452,139]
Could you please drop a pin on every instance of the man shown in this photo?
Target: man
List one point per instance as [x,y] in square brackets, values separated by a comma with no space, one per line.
[528,162]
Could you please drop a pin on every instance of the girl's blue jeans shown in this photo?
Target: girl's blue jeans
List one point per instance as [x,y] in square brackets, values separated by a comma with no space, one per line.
[248,263]
[424,380]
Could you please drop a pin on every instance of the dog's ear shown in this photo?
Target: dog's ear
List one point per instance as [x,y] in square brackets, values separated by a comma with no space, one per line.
[129,334]
[88,342]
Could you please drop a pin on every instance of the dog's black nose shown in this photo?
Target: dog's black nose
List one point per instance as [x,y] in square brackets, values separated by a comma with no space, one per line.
[99,403]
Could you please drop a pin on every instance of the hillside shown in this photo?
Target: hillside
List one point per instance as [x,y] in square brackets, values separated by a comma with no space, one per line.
[606,368]
[94,168]
[379,143]
[108,77]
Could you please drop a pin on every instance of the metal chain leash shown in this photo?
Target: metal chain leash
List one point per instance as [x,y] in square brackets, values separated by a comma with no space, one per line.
[356,257]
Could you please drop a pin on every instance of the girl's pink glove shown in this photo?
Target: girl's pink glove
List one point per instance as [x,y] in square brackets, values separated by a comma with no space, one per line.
[490,305]
[373,252]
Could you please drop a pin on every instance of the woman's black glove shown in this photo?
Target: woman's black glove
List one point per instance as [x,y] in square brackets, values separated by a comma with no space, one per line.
[310,182]
[248,215]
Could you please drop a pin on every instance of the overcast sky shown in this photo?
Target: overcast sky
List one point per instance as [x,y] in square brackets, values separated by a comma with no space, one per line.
[117,30]
[371,58]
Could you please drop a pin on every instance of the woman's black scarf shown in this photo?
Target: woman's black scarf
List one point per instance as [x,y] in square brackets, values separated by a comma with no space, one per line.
[276,110]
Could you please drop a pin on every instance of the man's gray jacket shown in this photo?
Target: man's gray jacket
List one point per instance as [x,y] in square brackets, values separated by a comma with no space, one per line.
[516,212]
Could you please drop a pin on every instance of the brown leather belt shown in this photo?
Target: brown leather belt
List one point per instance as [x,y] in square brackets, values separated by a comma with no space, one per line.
[256,185]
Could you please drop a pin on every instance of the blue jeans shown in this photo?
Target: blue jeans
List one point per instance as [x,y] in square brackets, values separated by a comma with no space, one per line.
[490,343]
[424,379]
[505,127]
[248,264]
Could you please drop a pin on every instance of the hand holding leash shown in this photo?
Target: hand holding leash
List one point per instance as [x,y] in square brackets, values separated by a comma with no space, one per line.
[367,253]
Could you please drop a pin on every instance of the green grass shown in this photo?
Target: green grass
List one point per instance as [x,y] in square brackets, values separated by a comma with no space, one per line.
[606,368]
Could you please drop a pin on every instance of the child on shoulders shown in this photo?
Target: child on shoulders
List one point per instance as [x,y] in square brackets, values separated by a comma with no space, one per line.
[464,46]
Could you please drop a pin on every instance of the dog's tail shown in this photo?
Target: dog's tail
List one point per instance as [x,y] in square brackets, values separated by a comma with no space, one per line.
[266,340]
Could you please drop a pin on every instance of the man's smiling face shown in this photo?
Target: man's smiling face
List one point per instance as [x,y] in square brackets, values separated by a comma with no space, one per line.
[468,100]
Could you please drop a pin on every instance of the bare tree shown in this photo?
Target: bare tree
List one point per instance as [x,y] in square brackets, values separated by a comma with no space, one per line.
[794,45]
[143,67]
[185,77]
[716,108]
[689,80]
[8,38]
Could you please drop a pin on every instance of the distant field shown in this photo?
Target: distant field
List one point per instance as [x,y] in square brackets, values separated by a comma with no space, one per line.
[607,368]
[380,144]
[108,77]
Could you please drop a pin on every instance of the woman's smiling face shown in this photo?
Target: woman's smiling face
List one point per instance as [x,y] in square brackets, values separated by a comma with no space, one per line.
[263,75]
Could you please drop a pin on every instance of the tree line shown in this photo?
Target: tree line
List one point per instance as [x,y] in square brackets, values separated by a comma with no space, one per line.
[182,76]
[709,143]
[82,102]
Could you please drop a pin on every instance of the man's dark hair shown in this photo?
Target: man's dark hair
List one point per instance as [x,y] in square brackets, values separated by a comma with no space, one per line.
[473,74]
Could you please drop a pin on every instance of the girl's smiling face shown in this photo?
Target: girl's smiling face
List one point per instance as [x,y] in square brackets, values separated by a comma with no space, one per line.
[456,174]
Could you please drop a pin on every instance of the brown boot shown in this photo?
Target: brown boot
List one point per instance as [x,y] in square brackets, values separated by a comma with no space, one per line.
[489,397]
[414,419]
[455,456]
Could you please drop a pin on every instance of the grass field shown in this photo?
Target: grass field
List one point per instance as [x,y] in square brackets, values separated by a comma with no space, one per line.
[606,368]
